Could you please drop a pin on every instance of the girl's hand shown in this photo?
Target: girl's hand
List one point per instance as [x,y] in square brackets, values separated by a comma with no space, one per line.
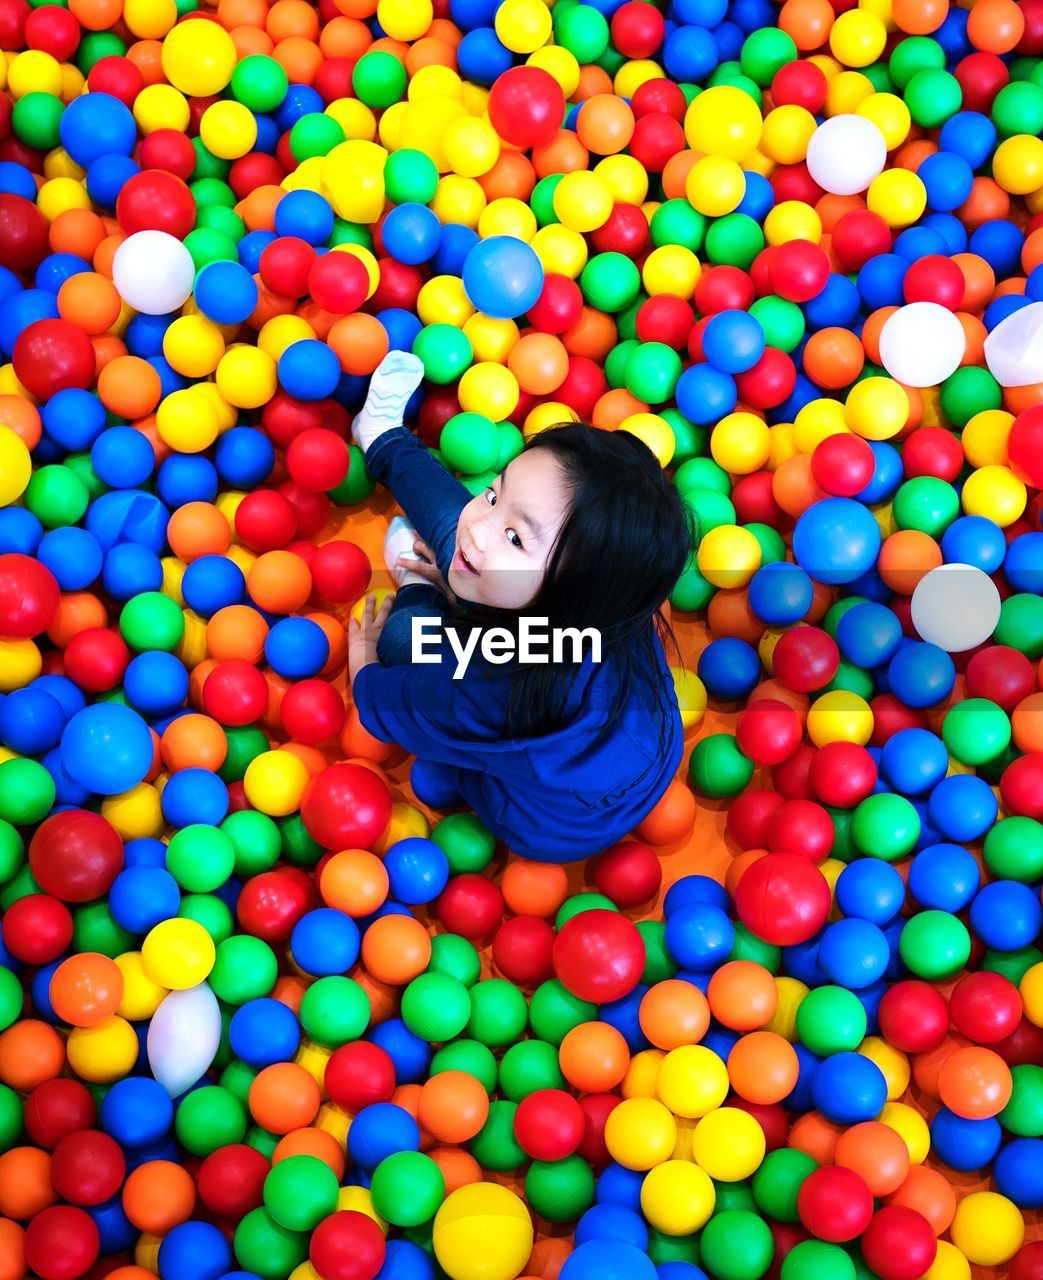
[425,566]
[363,637]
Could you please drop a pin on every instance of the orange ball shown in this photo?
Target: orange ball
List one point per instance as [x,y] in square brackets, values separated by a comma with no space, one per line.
[593,335]
[459,1168]
[672,818]
[534,888]
[815,1136]
[927,1066]
[236,631]
[396,949]
[77,231]
[511,176]
[1027,723]
[742,995]
[605,124]
[833,358]
[919,17]
[12,1251]
[193,742]
[77,611]
[284,1097]
[279,582]
[158,1196]
[360,341]
[453,1106]
[540,363]
[25,1182]
[21,417]
[808,22]
[563,154]
[311,1142]
[674,1013]
[975,1083]
[594,1057]
[794,487]
[354,881]
[198,529]
[979,280]
[90,301]
[729,614]
[995,26]
[905,557]
[877,1153]
[86,989]
[31,1052]
[615,406]
[928,1192]
[129,387]
[763,1067]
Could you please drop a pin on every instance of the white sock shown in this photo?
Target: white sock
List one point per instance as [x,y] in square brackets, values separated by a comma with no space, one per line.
[396,378]
[399,542]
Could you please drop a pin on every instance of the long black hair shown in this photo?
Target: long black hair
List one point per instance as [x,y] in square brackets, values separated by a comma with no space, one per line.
[619,553]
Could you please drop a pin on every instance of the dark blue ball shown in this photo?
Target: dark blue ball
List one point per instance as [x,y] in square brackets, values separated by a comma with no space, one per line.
[325,942]
[944,877]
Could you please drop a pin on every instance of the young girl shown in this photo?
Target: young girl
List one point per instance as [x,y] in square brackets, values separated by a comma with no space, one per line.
[583,528]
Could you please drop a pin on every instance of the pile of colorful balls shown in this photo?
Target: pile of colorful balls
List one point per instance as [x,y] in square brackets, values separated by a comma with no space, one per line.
[263,1016]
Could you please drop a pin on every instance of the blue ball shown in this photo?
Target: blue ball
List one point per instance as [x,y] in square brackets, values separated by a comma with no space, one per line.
[309,370]
[126,515]
[849,1088]
[974,540]
[297,648]
[503,277]
[1007,915]
[999,242]
[130,569]
[870,889]
[56,268]
[115,1230]
[607,1260]
[411,233]
[618,1185]
[145,851]
[156,684]
[418,870]
[380,1130]
[801,962]
[107,748]
[20,531]
[141,897]
[921,674]
[107,177]
[914,760]
[244,457]
[780,594]
[73,418]
[835,540]
[226,291]
[194,1251]
[944,877]
[16,180]
[264,1031]
[31,721]
[887,474]
[95,125]
[699,936]
[880,280]
[962,807]
[733,341]
[195,796]
[690,54]
[611,1222]
[965,1145]
[625,1015]
[854,953]
[404,1260]
[695,888]
[410,1054]
[434,783]
[212,583]
[1023,566]
[705,394]
[969,135]
[72,555]
[1018,1172]
[251,246]
[305,214]
[123,457]
[403,326]
[482,57]
[868,634]
[325,942]
[838,304]
[729,668]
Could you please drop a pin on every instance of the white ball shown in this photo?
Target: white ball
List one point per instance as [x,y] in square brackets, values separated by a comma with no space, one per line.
[153,272]
[1014,349]
[845,154]
[922,344]
[956,607]
[184,1035]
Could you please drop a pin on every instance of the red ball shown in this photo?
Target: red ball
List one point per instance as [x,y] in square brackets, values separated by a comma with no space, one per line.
[768,731]
[769,382]
[252,171]
[340,572]
[806,659]
[749,816]
[914,1016]
[637,29]
[804,828]
[271,903]
[656,97]
[359,1074]
[657,137]
[333,79]
[783,899]
[625,231]
[61,1242]
[1021,786]
[96,659]
[1027,1263]
[13,17]
[599,956]
[798,270]
[51,356]
[526,106]
[53,30]
[318,458]
[87,1167]
[858,236]
[168,149]
[596,1107]
[154,200]
[932,451]
[266,521]
[57,1108]
[118,76]
[794,182]
[23,232]
[470,905]
[835,1204]
[559,305]
[934,278]
[29,594]
[1024,1045]
[771,1116]
[985,1007]
[312,712]
[792,778]
[899,1243]
[37,928]
[629,874]
[723,288]
[584,385]
[235,693]
[843,465]
[1025,447]
[75,855]
[754,501]
[285,266]
[981,76]
[339,283]
[1000,674]
[842,774]
[346,807]
[1031,42]
[399,285]
[799,84]
[231,1180]
[347,1245]
[549,1124]
[664,318]
[522,948]
[890,716]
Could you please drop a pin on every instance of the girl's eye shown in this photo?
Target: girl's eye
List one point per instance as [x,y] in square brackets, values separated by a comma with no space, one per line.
[513,538]
[490,494]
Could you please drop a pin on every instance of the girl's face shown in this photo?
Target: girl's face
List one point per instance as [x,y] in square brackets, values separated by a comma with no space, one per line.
[505,536]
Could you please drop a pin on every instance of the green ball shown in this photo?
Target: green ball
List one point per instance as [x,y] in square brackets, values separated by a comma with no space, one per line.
[782,321]
[817,1260]
[358,484]
[11,1117]
[968,391]
[245,743]
[96,45]
[512,442]
[436,1007]
[610,281]
[498,1013]
[36,118]
[932,97]
[21,884]
[245,968]
[470,442]
[151,620]
[1013,965]
[207,164]
[616,362]
[831,1020]
[470,1057]
[456,958]
[255,841]
[379,79]
[1013,850]
[466,841]
[737,1245]
[734,241]
[300,1191]
[1021,625]
[580,902]
[777,1183]
[692,592]
[200,858]
[494,1146]
[773,549]
[315,134]
[975,731]
[886,826]
[651,372]
[702,473]
[407,1188]
[296,842]
[209,911]
[56,496]
[709,508]
[1018,108]
[659,963]
[27,792]
[917,53]
[335,1010]
[213,193]
[676,222]
[927,504]
[261,1245]
[689,440]
[93,929]
[747,946]
[351,233]
[764,53]
[560,1190]
[582,30]
[663,1248]
[209,1118]
[553,1011]
[718,768]
[934,945]
[409,175]
[528,1066]
[1023,1114]
[12,851]
[542,199]
[263,1141]
[12,997]
[237,1078]
[445,351]
[259,82]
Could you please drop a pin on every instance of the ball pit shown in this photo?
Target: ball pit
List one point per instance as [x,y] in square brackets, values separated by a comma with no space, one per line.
[266,1009]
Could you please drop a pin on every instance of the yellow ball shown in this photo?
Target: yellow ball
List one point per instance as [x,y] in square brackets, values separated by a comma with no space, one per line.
[161,106]
[560,250]
[459,199]
[677,1197]
[523,26]
[984,438]
[198,58]
[640,1133]
[723,121]
[740,443]
[20,663]
[34,71]
[728,556]
[1017,164]
[246,377]
[893,1064]
[354,118]
[632,75]
[654,431]
[405,19]
[471,146]
[187,421]
[490,389]
[551,413]
[228,130]
[137,813]
[274,782]
[1031,989]
[840,716]
[897,195]
[353,179]
[358,1198]
[141,996]
[582,201]
[507,217]
[150,19]
[435,82]
[693,1081]
[177,954]
[671,269]
[193,346]
[379,594]
[988,1228]
[787,132]
[443,300]
[995,493]
[792,220]
[910,1125]
[281,332]
[857,38]
[890,115]
[728,1144]
[949,1264]
[715,185]
[876,408]
[642,1075]
[846,90]
[691,696]
[482,1232]
[16,467]
[103,1053]
[559,63]
[626,179]
[61,194]
[490,338]
[791,991]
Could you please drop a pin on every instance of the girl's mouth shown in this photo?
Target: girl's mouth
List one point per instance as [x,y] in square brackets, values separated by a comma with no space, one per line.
[463,565]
